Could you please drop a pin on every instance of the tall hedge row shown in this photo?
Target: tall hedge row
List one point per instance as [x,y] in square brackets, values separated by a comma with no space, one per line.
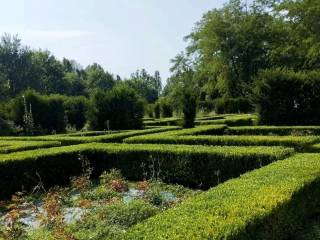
[285,97]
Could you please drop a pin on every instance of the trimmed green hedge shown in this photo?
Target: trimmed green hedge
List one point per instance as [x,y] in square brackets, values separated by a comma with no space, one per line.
[163,122]
[199,130]
[16,146]
[269,203]
[300,143]
[112,137]
[236,120]
[192,166]
[276,130]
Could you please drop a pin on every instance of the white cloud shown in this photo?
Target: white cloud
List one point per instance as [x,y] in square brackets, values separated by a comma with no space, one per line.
[46,34]
[57,34]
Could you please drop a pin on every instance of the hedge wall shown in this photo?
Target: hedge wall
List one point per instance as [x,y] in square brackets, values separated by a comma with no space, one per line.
[275,130]
[15,146]
[300,143]
[188,165]
[270,203]
[70,140]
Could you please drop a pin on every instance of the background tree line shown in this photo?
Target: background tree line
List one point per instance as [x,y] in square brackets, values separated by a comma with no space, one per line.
[233,51]
[55,95]
[263,56]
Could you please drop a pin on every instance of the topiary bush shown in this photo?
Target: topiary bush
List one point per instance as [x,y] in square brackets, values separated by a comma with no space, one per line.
[75,110]
[47,112]
[120,108]
[189,103]
[165,108]
[285,97]
[157,110]
[232,105]
[6,128]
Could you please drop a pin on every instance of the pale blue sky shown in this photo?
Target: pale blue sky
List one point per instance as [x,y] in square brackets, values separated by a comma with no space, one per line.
[121,35]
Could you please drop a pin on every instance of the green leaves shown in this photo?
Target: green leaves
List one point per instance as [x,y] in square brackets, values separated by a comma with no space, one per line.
[187,165]
[269,203]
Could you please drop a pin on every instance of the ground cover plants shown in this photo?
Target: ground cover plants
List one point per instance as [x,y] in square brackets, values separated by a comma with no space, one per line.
[87,209]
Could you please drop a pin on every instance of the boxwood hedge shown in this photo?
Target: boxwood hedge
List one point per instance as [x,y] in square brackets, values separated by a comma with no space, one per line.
[15,146]
[162,122]
[269,203]
[235,120]
[275,130]
[300,143]
[111,137]
[194,166]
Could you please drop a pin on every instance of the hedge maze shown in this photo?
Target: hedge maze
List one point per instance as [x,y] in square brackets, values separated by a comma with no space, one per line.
[260,182]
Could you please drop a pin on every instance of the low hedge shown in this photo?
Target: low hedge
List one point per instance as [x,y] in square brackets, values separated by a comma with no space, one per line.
[270,203]
[275,130]
[112,137]
[16,146]
[192,166]
[300,143]
[244,120]
[199,130]
[163,122]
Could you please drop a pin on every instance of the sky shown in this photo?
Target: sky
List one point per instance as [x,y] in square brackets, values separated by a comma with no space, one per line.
[120,35]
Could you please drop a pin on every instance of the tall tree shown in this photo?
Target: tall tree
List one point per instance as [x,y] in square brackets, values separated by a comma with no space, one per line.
[98,78]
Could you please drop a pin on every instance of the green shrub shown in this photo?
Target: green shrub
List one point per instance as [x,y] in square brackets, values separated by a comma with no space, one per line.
[300,143]
[165,108]
[16,146]
[275,130]
[269,203]
[163,122]
[69,139]
[110,221]
[7,128]
[232,105]
[47,111]
[150,110]
[285,97]
[189,103]
[120,108]
[232,120]
[199,130]
[75,110]
[187,165]
[157,110]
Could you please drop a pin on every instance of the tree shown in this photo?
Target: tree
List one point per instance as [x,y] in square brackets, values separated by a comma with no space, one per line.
[15,64]
[148,86]
[97,78]
[231,45]
[183,88]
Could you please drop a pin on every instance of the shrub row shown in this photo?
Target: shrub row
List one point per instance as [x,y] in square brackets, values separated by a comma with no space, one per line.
[200,130]
[245,120]
[276,130]
[286,97]
[15,146]
[300,143]
[194,166]
[269,203]
[163,122]
[233,105]
[112,137]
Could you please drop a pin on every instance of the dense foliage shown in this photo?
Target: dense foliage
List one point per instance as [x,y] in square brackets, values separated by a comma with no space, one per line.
[188,165]
[288,97]
[120,108]
[270,203]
